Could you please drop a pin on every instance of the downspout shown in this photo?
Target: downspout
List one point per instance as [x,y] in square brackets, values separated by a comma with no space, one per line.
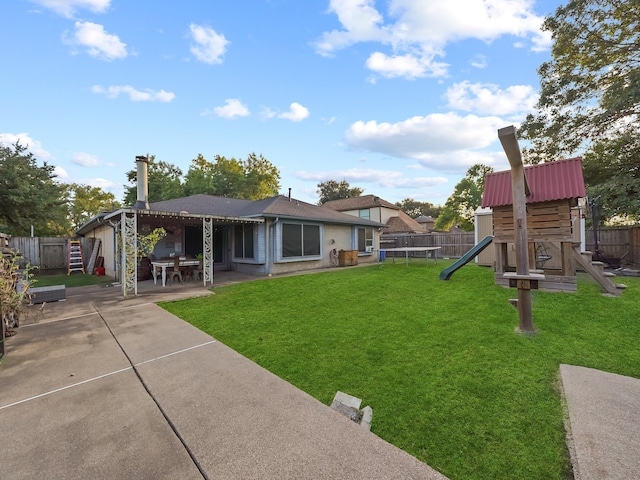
[273,254]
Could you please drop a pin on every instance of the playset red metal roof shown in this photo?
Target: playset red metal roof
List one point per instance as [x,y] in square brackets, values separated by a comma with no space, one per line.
[549,181]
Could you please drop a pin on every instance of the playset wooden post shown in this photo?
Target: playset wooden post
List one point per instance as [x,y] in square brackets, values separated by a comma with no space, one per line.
[519,190]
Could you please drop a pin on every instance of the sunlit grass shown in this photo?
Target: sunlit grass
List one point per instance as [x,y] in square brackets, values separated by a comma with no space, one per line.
[448,379]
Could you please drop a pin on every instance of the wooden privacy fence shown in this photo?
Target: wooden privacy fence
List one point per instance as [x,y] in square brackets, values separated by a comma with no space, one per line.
[453,245]
[49,253]
[621,245]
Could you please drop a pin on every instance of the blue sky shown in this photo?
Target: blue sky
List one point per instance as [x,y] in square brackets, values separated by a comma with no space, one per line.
[398,97]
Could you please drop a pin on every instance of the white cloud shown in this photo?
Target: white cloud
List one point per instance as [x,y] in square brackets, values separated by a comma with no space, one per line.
[60,172]
[487,98]
[418,137]
[86,160]
[479,61]
[421,29]
[232,108]
[460,160]
[380,178]
[33,146]
[408,66]
[361,23]
[296,113]
[146,95]
[103,183]
[208,46]
[437,22]
[97,42]
[352,175]
[67,8]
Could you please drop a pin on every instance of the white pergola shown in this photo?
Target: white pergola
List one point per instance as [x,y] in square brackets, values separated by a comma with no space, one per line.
[126,222]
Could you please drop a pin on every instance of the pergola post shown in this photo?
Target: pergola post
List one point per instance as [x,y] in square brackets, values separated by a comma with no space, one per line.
[519,190]
[207,251]
[129,253]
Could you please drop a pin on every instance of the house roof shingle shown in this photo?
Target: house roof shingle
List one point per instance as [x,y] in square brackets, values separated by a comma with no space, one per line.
[278,206]
[202,204]
[356,203]
[403,223]
[547,181]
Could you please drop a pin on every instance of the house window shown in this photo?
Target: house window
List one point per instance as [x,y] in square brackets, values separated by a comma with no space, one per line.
[364,213]
[300,240]
[243,241]
[365,239]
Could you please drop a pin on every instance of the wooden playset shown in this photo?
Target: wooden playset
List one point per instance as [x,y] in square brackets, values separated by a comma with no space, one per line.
[552,189]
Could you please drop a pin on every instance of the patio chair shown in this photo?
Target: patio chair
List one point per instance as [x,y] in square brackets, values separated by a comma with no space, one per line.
[198,272]
[176,272]
[188,273]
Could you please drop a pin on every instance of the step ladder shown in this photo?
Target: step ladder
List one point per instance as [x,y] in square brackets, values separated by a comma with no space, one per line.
[76,263]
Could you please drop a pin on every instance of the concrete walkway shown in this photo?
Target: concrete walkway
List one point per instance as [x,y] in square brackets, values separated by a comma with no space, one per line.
[603,423]
[103,387]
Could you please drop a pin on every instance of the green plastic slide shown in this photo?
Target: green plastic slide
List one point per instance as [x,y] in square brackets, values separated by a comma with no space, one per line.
[481,245]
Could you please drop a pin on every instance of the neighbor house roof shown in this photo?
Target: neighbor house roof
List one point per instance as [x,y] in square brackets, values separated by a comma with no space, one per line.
[357,203]
[278,206]
[547,182]
[403,223]
[425,219]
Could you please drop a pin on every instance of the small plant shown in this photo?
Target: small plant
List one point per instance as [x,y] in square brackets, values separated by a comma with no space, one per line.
[14,290]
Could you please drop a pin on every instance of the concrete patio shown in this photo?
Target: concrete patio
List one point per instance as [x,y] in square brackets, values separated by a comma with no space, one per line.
[106,387]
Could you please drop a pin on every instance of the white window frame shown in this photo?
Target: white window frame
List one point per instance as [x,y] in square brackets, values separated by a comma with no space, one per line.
[254,234]
[280,258]
[369,243]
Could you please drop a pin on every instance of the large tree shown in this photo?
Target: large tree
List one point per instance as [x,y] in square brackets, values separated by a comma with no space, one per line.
[254,178]
[334,190]
[415,209]
[29,194]
[460,207]
[590,98]
[85,202]
[165,182]
[262,178]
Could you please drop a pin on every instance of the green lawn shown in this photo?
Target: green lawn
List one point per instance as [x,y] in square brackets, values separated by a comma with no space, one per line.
[73,280]
[448,379]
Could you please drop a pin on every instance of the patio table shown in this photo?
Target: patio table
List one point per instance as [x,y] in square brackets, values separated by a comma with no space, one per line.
[163,264]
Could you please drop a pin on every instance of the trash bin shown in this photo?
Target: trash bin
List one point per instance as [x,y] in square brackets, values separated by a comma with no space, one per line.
[383,255]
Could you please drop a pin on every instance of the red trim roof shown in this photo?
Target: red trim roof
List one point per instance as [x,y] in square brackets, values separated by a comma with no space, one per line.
[547,182]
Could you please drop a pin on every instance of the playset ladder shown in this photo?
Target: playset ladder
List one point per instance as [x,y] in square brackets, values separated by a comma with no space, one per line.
[75,257]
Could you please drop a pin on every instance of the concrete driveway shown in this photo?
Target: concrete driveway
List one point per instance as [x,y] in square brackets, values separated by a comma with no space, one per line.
[103,387]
